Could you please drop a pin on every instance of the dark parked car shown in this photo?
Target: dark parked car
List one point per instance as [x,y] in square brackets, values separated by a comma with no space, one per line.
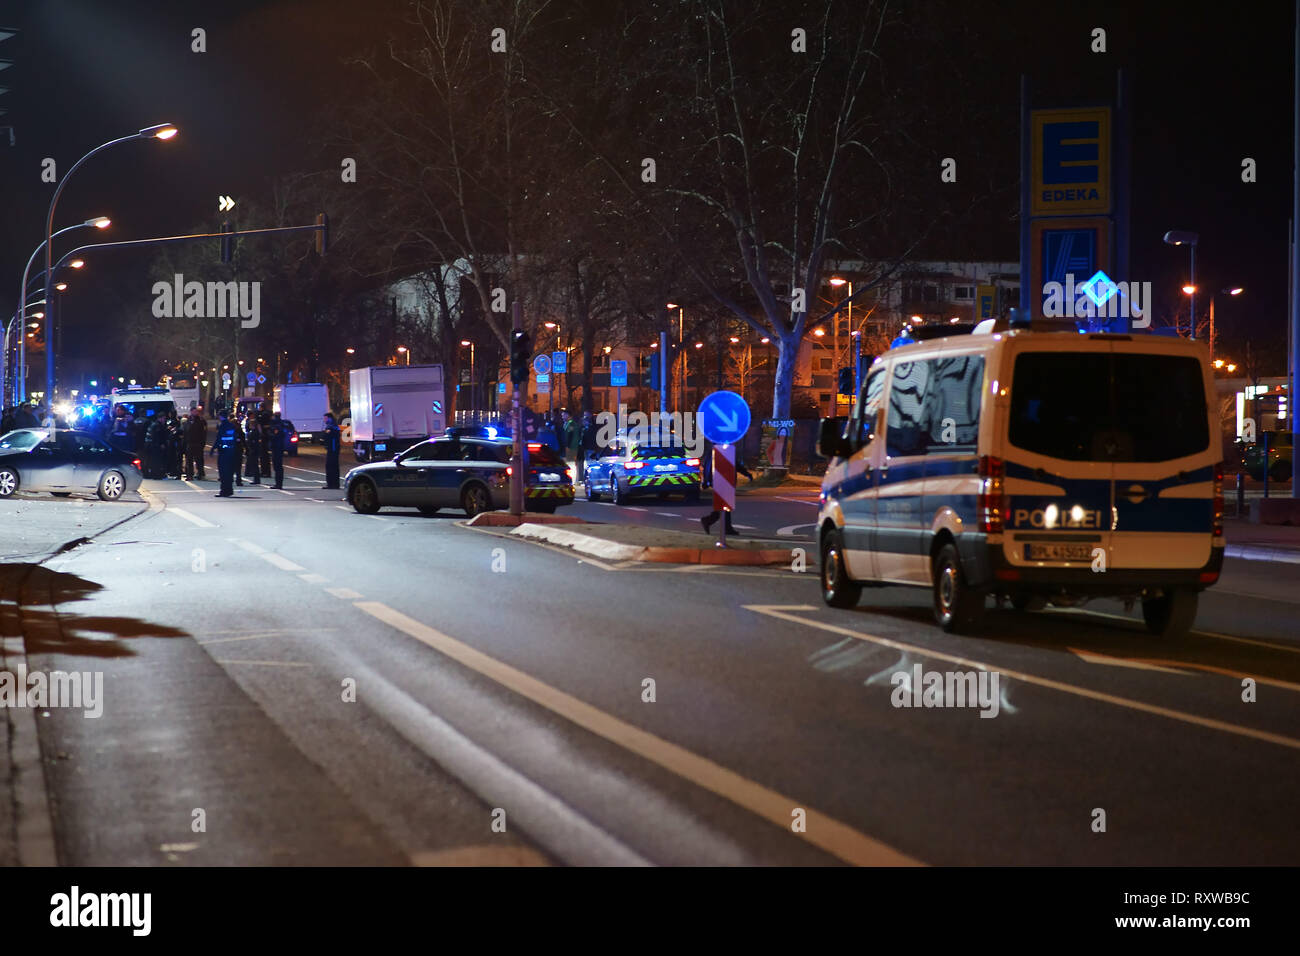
[31,459]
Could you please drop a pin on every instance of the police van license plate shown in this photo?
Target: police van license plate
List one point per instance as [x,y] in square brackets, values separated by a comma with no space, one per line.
[1058,552]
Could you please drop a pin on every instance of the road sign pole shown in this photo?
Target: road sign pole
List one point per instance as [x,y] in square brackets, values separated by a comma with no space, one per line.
[724,487]
[663,373]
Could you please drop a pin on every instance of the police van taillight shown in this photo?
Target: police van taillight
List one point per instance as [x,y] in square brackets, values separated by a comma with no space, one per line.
[991,505]
[1218,499]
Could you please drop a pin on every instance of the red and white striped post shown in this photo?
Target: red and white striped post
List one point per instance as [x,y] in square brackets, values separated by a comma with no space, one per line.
[724,487]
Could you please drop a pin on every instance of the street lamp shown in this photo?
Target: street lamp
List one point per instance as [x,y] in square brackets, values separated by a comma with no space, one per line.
[20,390]
[1178,238]
[403,350]
[163,131]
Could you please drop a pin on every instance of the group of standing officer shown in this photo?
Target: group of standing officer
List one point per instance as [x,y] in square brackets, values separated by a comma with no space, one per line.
[261,450]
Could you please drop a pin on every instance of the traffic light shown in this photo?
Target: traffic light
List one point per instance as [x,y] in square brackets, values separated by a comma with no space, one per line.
[322,234]
[521,350]
[227,242]
[846,381]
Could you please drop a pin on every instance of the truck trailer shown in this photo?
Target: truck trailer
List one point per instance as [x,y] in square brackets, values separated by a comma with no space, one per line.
[305,405]
[395,407]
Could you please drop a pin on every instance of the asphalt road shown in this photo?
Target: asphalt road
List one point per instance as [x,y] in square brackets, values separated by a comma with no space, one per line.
[517,704]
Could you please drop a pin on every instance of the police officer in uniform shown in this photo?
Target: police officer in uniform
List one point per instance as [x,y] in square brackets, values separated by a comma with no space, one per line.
[253,436]
[226,447]
[278,433]
[333,441]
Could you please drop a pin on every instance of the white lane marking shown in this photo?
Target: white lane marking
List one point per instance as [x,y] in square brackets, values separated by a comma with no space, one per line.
[789,530]
[314,578]
[371,517]
[780,612]
[250,546]
[803,501]
[340,507]
[747,527]
[1091,657]
[281,491]
[268,663]
[667,514]
[345,594]
[305,481]
[281,562]
[1187,667]
[634,508]
[229,640]
[1086,612]
[191,518]
[826,833]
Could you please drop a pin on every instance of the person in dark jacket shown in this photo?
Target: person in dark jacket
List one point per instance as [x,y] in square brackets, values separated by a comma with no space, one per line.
[253,450]
[23,418]
[333,441]
[226,446]
[155,447]
[196,436]
[175,445]
[279,437]
[121,433]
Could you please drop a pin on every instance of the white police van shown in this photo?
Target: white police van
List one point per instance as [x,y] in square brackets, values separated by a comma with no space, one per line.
[1033,463]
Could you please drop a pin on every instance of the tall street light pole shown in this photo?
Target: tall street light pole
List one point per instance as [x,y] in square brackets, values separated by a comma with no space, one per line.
[163,131]
[1179,238]
[99,222]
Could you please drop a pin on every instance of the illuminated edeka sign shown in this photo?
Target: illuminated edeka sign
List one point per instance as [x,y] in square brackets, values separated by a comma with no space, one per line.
[1071,162]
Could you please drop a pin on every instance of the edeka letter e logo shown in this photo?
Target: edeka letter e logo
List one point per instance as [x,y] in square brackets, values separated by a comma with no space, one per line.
[1071,162]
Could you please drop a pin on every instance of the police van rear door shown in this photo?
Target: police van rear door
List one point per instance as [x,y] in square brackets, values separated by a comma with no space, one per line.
[1109,458]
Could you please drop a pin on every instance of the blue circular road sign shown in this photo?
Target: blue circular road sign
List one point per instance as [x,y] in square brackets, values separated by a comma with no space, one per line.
[723,417]
[542,364]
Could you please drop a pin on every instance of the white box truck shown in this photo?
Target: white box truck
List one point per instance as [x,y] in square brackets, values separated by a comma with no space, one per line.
[305,405]
[395,407]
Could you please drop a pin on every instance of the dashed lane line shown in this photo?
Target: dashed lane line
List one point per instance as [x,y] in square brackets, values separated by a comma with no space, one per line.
[191,518]
[826,833]
[280,561]
[344,594]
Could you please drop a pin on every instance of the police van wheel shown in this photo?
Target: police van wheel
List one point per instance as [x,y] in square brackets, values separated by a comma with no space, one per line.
[957,608]
[365,498]
[111,486]
[8,482]
[1171,615]
[591,492]
[838,589]
[1280,471]
[616,494]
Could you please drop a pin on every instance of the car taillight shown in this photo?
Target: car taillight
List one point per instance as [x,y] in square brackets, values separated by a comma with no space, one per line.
[634,465]
[510,470]
[293,438]
[1218,499]
[137,463]
[534,446]
[693,462]
[991,506]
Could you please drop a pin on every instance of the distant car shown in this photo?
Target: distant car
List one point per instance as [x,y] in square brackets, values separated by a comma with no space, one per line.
[70,461]
[632,470]
[1279,458]
[454,471]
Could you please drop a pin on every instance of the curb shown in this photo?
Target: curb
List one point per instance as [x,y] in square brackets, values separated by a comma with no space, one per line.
[1250,552]
[617,551]
[504,519]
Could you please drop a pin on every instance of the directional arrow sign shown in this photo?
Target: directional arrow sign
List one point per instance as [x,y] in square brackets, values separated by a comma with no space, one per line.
[224,203]
[723,417]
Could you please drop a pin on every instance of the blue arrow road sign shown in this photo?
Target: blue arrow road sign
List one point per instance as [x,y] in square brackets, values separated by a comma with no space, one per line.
[723,417]
[542,364]
[618,373]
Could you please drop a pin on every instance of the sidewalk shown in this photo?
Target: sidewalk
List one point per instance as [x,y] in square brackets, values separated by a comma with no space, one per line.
[1261,542]
[32,530]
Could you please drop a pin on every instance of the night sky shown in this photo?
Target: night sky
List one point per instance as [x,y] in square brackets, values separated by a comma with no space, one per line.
[1212,84]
